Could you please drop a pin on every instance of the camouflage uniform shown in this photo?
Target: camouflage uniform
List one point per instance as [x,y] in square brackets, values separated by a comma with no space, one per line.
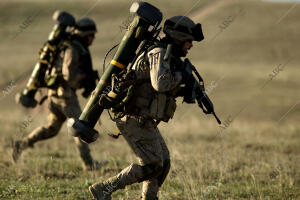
[154,100]
[159,79]
[63,101]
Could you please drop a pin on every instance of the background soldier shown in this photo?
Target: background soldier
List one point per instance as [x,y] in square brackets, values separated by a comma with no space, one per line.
[74,67]
[160,74]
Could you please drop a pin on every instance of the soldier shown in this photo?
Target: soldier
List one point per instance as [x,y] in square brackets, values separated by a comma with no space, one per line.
[160,75]
[75,65]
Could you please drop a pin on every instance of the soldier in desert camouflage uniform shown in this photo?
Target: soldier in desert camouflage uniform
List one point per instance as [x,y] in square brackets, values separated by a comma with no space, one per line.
[160,77]
[75,67]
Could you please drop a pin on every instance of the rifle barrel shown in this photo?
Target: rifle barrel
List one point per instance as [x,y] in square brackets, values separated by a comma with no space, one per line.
[218,120]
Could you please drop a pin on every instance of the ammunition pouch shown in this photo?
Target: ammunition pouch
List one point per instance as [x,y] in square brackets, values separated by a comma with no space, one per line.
[119,100]
[162,108]
[170,109]
[159,108]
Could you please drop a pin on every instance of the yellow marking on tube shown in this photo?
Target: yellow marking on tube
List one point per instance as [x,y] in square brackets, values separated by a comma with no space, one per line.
[116,63]
[44,61]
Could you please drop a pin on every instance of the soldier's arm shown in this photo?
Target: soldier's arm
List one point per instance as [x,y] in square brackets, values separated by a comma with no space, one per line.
[70,68]
[162,79]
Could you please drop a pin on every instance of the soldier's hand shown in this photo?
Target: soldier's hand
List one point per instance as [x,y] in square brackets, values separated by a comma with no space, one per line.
[187,71]
[88,90]
[86,93]
[96,75]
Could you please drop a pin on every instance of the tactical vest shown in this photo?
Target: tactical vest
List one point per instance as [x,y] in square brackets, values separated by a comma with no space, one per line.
[59,87]
[85,56]
[85,62]
[147,102]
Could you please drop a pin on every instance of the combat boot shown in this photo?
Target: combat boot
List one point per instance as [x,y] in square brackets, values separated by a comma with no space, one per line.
[18,147]
[148,198]
[103,191]
[100,191]
[95,165]
[129,175]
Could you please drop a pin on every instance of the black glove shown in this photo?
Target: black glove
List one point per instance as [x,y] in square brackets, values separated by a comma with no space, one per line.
[189,82]
[89,84]
[95,75]
[186,72]
[87,91]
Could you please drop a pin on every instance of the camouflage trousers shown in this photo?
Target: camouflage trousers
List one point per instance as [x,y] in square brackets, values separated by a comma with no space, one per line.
[150,148]
[59,110]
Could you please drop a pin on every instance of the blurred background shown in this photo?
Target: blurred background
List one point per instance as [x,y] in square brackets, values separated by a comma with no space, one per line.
[250,64]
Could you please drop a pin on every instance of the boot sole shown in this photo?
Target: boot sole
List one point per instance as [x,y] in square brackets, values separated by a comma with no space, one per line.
[93,192]
[15,153]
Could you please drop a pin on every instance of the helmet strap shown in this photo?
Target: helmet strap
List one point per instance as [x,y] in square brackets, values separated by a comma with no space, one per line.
[178,49]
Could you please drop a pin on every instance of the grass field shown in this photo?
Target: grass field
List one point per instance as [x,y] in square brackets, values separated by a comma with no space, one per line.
[250,63]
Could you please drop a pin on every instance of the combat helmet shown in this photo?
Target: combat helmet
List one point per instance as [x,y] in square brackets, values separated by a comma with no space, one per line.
[85,26]
[183,28]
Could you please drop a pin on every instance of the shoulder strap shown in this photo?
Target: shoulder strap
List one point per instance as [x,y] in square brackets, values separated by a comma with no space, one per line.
[157,44]
[76,44]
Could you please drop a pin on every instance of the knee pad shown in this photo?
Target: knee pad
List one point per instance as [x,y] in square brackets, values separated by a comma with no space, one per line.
[55,112]
[53,127]
[41,133]
[50,131]
[150,171]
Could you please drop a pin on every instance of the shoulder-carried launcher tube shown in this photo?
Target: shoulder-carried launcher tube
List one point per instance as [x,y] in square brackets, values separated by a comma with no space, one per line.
[46,57]
[146,15]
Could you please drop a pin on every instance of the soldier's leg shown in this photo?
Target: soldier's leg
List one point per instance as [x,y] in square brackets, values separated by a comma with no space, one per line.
[150,189]
[56,120]
[85,154]
[45,132]
[151,186]
[72,110]
[166,161]
[145,142]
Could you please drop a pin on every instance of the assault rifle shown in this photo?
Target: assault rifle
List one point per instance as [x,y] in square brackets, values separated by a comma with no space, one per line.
[198,92]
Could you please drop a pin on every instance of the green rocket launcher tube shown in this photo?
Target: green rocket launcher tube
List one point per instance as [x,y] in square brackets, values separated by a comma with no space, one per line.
[46,57]
[146,15]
